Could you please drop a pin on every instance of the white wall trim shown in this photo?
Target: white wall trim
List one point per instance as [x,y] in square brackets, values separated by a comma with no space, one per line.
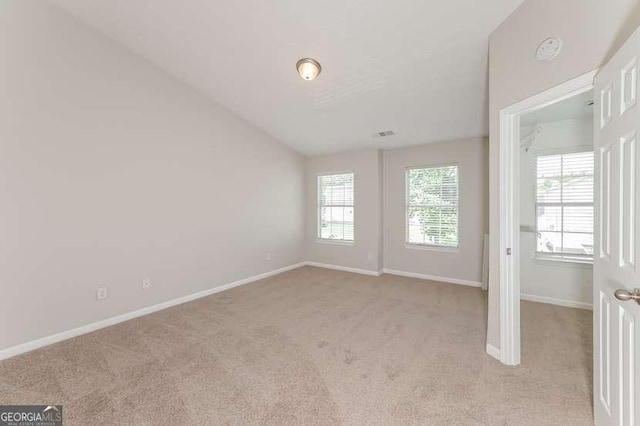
[59,337]
[493,351]
[344,268]
[468,283]
[509,181]
[433,278]
[554,301]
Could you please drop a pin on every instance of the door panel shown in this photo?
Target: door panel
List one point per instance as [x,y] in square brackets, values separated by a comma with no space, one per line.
[616,322]
[627,201]
[605,204]
[605,353]
[627,364]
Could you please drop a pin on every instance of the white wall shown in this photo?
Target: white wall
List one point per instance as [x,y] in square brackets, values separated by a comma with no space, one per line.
[112,171]
[565,282]
[365,252]
[380,210]
[592,30]
[464,264]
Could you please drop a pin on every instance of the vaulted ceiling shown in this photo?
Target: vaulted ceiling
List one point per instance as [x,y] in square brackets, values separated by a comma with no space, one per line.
[416,67]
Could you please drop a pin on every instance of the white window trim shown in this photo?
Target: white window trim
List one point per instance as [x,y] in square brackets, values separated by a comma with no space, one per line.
[321,240]
[430,247]
[558,257]
[335,242]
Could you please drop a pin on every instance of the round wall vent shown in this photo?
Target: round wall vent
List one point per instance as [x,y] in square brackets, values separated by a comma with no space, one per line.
[549,49]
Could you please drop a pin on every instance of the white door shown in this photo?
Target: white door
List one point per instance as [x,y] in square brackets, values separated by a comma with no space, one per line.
[616,263]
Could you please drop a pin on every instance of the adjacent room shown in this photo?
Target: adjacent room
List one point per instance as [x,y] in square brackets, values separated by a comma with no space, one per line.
[556,187]
[308,213]
[556,203]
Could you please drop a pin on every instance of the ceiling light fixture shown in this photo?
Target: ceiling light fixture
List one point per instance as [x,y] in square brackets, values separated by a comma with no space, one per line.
[308,68]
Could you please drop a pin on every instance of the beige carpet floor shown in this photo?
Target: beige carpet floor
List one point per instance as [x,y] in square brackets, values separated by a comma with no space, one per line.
[315,346]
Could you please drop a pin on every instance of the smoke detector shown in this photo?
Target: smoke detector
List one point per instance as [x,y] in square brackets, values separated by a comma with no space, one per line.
[384,134]
[549,49]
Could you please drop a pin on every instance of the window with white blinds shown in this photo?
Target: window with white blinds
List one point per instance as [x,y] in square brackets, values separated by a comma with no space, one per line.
[432,206]
[336,207]
[564,205]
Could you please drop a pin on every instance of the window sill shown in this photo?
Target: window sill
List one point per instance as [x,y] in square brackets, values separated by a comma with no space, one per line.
[568,260]
[432,248]
[334,242]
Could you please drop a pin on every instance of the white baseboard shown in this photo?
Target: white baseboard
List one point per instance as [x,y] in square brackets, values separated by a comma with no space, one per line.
[493,351]
[433,278]
[55,338]
[554,301]
[344,268]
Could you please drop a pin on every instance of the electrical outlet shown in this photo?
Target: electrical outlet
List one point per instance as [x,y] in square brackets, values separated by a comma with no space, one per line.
[269,256]
[101,293]
[146,284]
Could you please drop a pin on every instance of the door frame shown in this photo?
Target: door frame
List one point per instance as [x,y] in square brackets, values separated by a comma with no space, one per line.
[509,303]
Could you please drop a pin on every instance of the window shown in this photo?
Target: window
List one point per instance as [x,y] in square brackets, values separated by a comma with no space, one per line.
[564,205]
[432,206]
[335,207]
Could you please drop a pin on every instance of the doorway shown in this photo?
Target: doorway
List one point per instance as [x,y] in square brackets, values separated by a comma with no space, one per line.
[556,200]
[514,140]
[557,166]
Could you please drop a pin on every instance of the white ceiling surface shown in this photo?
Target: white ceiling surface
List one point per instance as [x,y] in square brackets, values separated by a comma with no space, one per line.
[572,108]
[418,68]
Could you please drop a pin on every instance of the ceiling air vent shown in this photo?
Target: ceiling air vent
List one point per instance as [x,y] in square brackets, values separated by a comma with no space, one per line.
[385,133]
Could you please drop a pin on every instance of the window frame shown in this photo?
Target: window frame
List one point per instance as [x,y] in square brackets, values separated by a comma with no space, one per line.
[427,246]
[576,258]
[319,206]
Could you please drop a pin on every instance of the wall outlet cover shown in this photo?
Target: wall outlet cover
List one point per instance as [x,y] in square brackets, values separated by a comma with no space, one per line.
[101,293]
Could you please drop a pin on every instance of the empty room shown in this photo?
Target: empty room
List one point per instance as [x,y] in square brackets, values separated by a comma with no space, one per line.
[306,213]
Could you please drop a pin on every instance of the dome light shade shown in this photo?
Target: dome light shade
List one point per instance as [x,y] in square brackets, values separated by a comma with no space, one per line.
[308,68]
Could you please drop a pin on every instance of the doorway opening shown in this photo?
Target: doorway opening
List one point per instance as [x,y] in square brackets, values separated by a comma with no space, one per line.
[556,223]
[546,213]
